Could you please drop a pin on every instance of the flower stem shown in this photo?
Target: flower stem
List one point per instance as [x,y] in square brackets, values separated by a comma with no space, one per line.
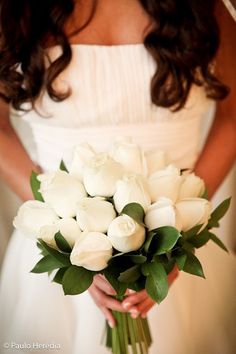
[130,336]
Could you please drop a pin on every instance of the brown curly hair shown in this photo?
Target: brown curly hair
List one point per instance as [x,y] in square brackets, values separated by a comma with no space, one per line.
[183,42]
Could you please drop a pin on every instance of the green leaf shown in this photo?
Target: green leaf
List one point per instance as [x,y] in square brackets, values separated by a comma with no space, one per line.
[148,241]
[135,258]
[135,211]
[59,275]
[35,186]
[112,278]
[180,260]
[192,232]
[63,166]
[156,282]
[138,285]
[161,240]
[193,266]
[44,252]
[46,264]
[138,258]
[188,247]
[63,258]
[168,263]
[119,264]
[200,239]
[217,241]
[145,269]
[61,242]
[130,275]
[218,213]
[76,280]
[205,194]
[165,239]
[212,223]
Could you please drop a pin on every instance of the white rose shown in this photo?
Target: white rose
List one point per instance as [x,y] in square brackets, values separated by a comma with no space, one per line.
[95,214]
[68,227]
[101,175]
[191,186]
[161,213]
[62,192]
[81,157]
[193,211]
[130,155]
[165,183]
[132,188]
[32,215]
[156,160]
[92,251]
[126,235]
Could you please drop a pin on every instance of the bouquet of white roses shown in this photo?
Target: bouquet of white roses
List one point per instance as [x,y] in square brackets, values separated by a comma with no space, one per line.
[126,214]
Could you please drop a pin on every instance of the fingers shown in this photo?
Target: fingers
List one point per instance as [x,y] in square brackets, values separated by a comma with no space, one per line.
[103,284]
[108,315]
[150,303]
[103,300]
[137,303]
[134,299]
[130,291]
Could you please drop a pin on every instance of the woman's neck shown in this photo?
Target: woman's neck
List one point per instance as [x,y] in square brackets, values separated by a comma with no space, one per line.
[114,22]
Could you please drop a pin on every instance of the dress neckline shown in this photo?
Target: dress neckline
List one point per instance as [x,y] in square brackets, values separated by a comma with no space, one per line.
[102,46]
[107,45]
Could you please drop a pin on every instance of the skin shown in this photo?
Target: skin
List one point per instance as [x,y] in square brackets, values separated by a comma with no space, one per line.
[213,163]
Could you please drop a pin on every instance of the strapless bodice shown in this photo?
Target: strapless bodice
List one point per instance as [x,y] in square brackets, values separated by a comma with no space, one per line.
[110,98]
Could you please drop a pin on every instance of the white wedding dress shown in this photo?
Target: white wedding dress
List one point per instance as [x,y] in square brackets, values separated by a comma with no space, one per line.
[111,98]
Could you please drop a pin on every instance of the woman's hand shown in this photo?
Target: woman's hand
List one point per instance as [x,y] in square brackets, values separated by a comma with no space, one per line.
[102,292]
[137,303]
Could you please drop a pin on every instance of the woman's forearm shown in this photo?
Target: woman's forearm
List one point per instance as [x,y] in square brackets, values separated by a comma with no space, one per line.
[218,154]
[15,163]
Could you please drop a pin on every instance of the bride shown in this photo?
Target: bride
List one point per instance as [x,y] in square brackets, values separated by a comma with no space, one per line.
[73,71]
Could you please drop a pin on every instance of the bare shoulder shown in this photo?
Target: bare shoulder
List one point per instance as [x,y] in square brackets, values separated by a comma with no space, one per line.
[227,51]
[225,60]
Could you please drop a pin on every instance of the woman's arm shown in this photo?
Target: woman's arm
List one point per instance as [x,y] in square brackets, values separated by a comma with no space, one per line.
[219,151]
[15,164]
